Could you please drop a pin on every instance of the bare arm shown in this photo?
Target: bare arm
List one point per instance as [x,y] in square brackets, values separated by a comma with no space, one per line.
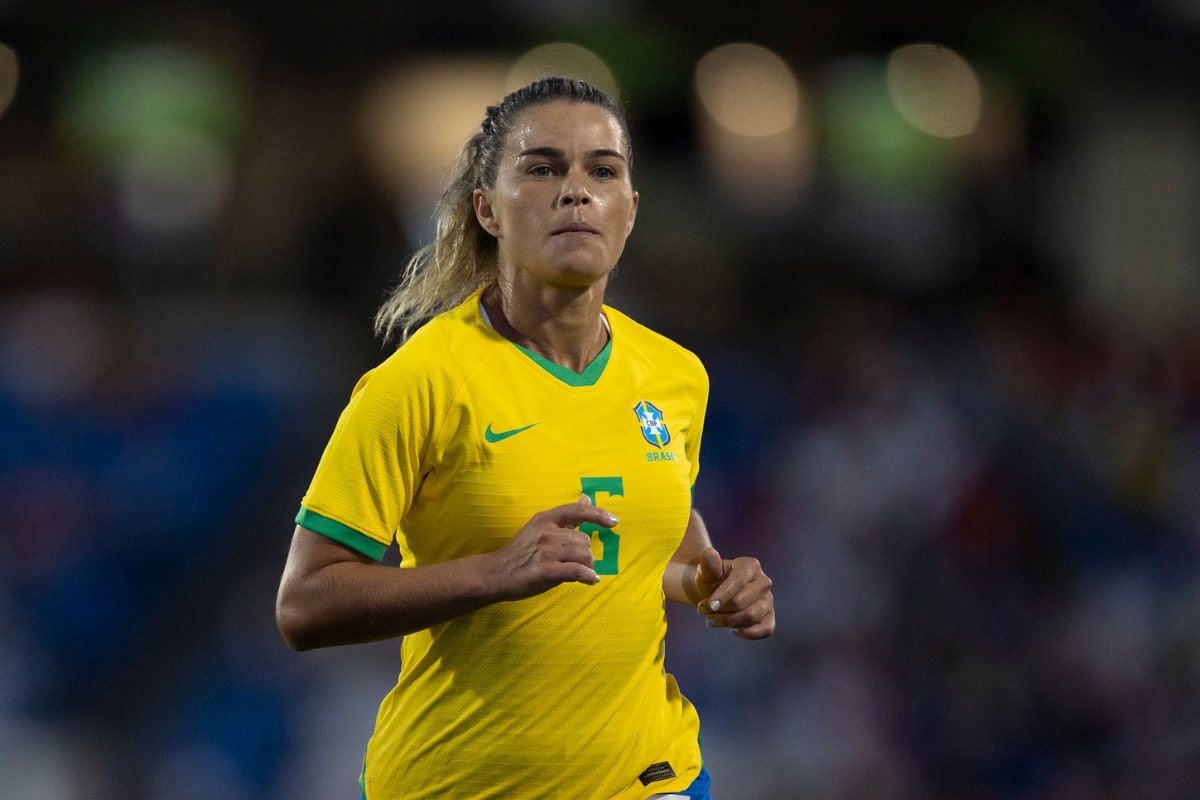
[679,579]
[332,595]
[731,593]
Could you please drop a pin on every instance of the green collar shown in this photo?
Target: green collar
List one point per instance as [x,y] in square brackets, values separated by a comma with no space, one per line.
[591,373]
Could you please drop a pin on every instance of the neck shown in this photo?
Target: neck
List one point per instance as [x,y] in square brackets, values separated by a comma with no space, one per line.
[562,325]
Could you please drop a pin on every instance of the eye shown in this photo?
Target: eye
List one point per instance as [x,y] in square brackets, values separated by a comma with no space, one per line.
[604,172]
[541,171]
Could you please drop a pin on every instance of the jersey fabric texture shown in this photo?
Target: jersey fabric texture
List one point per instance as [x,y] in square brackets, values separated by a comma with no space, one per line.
[451,445]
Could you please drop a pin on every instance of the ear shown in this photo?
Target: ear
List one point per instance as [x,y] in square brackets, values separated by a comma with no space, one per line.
[485,213]
[632,214]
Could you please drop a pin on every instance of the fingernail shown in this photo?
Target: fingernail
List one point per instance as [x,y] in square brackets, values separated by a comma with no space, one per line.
[714,605]
[613,519]
[735,631]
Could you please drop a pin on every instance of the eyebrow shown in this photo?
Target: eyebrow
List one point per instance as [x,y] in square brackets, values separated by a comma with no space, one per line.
[554,152]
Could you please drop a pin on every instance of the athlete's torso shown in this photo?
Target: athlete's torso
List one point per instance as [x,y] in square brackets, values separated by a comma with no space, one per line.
[538,697]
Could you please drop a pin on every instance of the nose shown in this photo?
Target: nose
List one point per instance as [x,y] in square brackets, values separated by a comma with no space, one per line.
[574,192]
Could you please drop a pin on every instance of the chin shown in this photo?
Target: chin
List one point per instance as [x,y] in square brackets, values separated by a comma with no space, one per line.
[581,280]
[578,276]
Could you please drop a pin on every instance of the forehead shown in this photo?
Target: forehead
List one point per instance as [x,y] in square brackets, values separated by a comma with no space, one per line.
[563,125]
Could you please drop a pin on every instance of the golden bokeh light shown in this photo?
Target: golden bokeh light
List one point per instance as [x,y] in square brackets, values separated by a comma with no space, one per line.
[561,58]
[934,89]
[748,89]
[753,126]
[415,118]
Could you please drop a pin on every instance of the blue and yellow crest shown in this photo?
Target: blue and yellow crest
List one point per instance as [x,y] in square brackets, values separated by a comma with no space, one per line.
[653,428]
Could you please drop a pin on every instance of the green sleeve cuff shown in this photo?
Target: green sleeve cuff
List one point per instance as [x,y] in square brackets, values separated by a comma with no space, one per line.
[359,542]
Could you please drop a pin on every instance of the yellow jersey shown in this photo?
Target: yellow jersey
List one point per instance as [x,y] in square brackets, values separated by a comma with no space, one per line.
[450,446]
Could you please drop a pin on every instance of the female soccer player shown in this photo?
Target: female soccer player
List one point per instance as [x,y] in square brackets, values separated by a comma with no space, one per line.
[533,452]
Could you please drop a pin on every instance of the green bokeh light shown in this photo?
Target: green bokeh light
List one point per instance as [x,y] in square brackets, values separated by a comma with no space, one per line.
[868,143]
[124,99]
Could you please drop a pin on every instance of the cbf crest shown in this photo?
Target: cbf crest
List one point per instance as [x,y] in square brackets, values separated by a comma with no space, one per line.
[654,430]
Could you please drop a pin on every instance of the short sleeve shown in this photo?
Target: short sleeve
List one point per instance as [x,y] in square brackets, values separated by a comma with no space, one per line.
[367,476]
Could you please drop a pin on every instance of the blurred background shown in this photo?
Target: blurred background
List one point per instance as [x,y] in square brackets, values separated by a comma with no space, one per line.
[942,261]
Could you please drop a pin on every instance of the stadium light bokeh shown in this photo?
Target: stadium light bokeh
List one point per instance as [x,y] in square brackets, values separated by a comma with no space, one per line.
[561,58]
[869,145]
[414,119]
[753,124]
[748,89]
[934,89]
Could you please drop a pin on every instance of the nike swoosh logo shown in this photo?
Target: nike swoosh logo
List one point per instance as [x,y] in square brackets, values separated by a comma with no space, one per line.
[499,436]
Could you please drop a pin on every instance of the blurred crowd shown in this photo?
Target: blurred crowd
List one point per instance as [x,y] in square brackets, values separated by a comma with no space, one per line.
[977,493]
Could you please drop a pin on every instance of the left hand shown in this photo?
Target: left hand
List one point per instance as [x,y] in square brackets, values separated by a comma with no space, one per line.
[735,594]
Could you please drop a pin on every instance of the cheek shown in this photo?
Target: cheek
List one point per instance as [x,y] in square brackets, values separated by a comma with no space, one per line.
[621,212]
[514,219]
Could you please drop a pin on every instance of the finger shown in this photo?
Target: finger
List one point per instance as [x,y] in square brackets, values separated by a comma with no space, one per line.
[576,572]
[575,547]
[567,556]
[577,559]
[590,578]
[759,630]
[744,575]
[748,605]
[574,514]
[711,568]
[744,611]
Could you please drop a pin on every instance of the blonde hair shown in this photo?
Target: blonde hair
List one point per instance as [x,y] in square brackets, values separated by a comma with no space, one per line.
[463,256]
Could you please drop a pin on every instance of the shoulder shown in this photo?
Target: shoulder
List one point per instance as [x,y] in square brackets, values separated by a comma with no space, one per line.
[437,356]
[639,342]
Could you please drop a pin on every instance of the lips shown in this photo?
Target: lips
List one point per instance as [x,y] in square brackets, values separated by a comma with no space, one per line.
[575,227]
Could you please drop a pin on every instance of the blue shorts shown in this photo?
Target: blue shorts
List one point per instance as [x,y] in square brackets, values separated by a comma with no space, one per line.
[697,791]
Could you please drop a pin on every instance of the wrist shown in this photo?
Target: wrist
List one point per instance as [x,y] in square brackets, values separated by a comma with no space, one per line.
[680,584]
[487,577]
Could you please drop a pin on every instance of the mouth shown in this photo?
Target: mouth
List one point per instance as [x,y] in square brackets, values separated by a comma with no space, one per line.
[574,227]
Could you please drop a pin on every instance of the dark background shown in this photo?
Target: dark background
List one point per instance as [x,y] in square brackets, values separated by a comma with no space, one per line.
[955,404]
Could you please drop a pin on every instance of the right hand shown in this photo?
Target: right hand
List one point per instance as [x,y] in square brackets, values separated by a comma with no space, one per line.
[549,550]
